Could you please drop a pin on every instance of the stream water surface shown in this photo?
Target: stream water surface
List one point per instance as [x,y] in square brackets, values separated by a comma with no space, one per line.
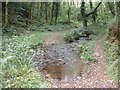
[61,61]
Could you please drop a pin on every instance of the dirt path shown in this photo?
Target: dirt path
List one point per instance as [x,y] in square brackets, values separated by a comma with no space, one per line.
[95,76]
[54,38]
[97,73]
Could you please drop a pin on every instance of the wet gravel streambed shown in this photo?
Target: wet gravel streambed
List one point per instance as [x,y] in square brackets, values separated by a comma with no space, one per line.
[62,67]
[61,61]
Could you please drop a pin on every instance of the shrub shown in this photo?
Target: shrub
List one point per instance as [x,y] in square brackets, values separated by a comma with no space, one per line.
[72,36]
[11,30]
[68,38]
[86,52]
[32,28]
[92,37]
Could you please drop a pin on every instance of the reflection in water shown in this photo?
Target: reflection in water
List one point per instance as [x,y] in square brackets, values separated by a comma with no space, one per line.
[62,62]
[71,70]
[65,71]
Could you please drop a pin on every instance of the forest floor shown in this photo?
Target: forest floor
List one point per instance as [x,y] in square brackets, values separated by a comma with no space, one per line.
[95,77]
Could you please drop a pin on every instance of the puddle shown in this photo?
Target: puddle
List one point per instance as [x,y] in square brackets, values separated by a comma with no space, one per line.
[62,62]
[60,70]
[73,69]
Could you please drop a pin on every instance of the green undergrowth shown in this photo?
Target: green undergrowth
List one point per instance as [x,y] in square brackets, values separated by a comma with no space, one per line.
[23,78]
[85,51]
[15,29]
[33,39]
[36,39]
[72,36]
[18,69]
[93,32]
[53,28]
[111,52]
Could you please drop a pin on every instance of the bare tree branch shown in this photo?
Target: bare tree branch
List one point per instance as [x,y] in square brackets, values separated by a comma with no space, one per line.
[94,10]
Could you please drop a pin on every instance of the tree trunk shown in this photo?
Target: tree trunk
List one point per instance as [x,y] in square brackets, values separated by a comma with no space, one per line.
[94,14]
[0,17]
[46,11]
[83,14]
[68,12]
[41,9]
[52,11]
[57,7]
[32,10]
[6,14]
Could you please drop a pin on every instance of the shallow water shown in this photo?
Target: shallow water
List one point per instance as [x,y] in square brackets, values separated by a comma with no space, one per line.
[62,62]
[64,71]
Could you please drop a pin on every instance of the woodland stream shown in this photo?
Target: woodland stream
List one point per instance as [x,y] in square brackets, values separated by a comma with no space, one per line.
[61,61]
